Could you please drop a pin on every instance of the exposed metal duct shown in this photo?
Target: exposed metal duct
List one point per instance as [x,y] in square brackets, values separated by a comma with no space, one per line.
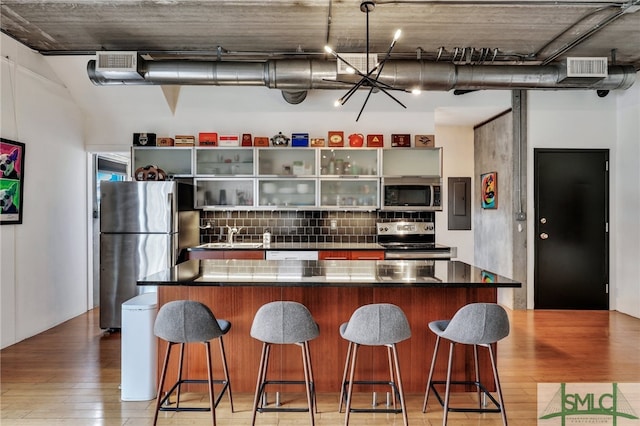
[295,76]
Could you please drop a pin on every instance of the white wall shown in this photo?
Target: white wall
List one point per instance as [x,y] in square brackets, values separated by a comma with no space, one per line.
[44,273]
[457,162]
[626,220]
[580,119]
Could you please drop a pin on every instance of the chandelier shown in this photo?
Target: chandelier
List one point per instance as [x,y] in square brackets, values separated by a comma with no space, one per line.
[370,77]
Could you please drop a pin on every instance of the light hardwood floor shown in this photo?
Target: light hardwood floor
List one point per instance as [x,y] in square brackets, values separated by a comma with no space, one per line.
[70,375]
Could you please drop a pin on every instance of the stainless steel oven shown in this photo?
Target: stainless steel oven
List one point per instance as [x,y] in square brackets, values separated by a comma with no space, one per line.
[411,240]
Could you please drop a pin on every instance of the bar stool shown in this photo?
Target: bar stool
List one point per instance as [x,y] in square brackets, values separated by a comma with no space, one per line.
[187,321]
[284,322]
[477,324]
[379,324]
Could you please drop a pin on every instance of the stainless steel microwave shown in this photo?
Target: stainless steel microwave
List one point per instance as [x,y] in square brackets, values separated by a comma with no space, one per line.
[411,194]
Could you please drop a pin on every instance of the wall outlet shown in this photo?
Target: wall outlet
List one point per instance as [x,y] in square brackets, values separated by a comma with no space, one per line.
[334,224]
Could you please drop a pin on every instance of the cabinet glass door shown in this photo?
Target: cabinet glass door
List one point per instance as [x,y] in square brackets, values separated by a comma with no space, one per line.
[224,193]
[412,162]
[349,162]
[175,161]
[349,193]
[287,161]
[224,162]
[287,193]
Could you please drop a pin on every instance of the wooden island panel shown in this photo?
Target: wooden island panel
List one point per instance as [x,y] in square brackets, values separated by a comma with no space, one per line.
[330,307]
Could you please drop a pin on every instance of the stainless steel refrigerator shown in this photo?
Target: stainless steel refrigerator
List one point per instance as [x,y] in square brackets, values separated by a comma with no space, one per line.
[145,227]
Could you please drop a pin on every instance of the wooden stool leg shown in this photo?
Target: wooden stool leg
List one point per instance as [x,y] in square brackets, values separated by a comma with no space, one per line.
[391,375]
[307,380]
[226,372]
[313,383]
[430,378]
[163,375]
[344,376]
[210,377]
[180,364]
[400,388]
[448,387]
[261,376]
[351,377]
[492,355]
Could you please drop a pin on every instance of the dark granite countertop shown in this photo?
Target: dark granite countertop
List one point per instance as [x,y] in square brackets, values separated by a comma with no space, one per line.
[328,273]
[248,245]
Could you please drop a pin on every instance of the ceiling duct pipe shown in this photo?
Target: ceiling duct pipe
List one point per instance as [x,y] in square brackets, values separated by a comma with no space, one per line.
[294,76]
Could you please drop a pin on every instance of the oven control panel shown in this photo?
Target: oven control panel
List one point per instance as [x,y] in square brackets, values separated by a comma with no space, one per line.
[404,228]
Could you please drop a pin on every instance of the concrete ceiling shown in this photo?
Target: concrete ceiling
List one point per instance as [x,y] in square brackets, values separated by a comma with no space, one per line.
[461,31]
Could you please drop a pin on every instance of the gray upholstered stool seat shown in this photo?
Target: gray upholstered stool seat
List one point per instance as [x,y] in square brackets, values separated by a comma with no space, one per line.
[187,321]
[381,324]
[282,323]
[477,324]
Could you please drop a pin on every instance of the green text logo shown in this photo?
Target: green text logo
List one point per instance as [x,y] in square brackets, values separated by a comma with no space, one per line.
[592,404]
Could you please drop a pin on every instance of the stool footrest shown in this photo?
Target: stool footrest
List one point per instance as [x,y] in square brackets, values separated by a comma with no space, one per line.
[262,409]
[165,400]
[479,385]
[374,410]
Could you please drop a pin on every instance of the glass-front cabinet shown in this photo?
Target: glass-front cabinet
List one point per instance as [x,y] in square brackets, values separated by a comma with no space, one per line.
[175,161]
[219,193]
[289,177]
[287,193]
[349,162]
[349,193]
[224,162]
[412,162]
[286,162]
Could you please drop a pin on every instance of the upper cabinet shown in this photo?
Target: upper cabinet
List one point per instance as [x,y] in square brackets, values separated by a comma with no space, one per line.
[412,162]
[224,193]
[224,161]
[289,177]
[175,161]
[349,162]
[286,162]
[287,193]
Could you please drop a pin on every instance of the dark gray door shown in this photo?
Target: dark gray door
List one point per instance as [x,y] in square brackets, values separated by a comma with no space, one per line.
[572,238]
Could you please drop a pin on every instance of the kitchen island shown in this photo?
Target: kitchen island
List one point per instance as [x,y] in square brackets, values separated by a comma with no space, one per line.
[426,290]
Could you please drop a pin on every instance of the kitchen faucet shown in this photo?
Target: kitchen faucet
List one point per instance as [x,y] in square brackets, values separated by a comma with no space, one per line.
[232,231]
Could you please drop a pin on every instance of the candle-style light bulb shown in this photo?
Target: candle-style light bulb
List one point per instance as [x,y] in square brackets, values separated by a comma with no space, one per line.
[397,35]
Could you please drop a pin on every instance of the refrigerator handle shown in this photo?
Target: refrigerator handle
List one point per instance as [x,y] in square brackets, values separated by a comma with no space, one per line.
[172,212]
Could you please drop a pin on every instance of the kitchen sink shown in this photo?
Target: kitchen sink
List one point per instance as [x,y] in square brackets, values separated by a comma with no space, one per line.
[230,245]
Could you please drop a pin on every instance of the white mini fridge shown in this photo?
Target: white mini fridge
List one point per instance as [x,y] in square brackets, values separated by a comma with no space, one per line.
[139,348]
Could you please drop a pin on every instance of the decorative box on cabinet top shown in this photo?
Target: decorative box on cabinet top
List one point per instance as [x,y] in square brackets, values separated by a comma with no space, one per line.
[208,139]
[144,139]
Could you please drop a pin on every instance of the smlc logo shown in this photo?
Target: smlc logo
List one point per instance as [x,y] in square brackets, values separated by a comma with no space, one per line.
[590,404]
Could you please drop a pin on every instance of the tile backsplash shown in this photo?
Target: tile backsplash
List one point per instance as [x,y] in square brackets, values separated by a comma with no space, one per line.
[312,226]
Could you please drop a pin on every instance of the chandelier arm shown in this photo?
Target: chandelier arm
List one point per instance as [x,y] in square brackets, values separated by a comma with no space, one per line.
[338,81]
[351,91]
[391,96]
[364,104]
[386,57]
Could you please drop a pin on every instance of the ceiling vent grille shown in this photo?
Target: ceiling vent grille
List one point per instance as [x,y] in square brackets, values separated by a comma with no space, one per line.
[587,67]
[117,64]
[358,61]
